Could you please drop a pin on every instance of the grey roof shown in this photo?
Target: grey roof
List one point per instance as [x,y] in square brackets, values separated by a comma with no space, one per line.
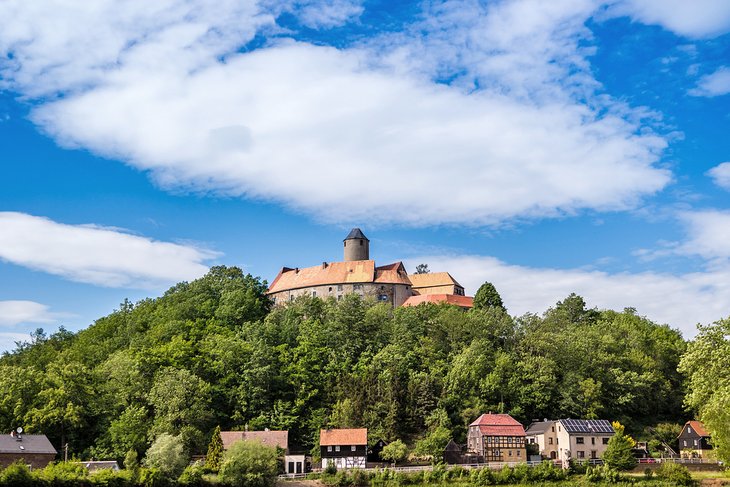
[588,426]
[538,427]
[356,233]
[29,444]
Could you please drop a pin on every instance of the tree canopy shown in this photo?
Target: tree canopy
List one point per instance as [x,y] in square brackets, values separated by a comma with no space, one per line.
[212,352]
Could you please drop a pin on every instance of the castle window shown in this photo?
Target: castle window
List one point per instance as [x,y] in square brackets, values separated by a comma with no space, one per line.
[339,287]
[361,243]
[314,294]
[330,290]
[382,297]
[382,288]
[356,286]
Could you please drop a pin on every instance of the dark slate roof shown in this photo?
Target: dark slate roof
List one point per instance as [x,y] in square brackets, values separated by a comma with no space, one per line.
[573,426]
[538,427]
[29,444]
[356,233]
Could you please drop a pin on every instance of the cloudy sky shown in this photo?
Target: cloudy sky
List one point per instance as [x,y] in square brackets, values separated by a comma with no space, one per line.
[548,147]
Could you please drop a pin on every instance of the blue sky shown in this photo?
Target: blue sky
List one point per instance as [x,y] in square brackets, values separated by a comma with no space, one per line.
[547,147]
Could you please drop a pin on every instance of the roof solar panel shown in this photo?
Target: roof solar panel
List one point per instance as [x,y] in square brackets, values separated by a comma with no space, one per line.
[587,426]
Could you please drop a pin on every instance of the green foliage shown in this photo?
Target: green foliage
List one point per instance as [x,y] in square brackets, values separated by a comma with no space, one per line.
[249,464]
[706,364]
[395,451]
[167,455]
[16,475]
[131,460]
[215,451]
[618,454]
[434,444]
[487,296]
[192,476]
[603,473]
[674,472]
[212,352]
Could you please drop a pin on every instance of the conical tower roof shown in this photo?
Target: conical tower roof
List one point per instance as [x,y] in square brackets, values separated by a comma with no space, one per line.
[356,233]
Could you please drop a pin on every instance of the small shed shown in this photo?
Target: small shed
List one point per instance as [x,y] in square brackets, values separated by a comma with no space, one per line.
[33,450]
[374,451]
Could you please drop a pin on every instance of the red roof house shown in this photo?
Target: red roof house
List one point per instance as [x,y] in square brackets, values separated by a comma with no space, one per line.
[497,438]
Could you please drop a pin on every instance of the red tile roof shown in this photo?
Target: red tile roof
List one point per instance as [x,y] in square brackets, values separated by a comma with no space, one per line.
[357,271]
[332,437]
[268,438]
[433,279]
[699,427]
[456,300]
[498,425]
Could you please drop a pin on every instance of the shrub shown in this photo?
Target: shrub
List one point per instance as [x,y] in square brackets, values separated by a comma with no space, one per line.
[249,464]
[547,471]
[522,473]
[16,474]
[192,475]
[675,473]
[62,474]
[330,469]
[648,473]
[602,473]
[505,476]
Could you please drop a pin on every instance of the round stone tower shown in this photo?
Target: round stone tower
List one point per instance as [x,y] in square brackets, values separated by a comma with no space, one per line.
[357,246]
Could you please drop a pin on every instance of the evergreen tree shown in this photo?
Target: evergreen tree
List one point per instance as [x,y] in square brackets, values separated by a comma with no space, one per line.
[215,451]
[619,453]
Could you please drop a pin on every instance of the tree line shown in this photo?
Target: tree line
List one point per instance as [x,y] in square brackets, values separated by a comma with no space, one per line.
[214,352]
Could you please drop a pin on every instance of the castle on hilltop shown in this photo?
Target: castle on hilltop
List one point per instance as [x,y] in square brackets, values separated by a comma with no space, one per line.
[359,275]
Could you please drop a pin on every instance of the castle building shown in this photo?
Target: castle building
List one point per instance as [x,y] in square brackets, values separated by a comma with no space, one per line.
[358,274]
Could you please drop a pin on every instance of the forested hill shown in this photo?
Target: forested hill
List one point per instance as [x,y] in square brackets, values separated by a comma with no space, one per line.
[212,352]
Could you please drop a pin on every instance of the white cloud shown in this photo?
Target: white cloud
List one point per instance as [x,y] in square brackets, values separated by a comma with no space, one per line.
[695,19]
[346,135]
[327,14]
[680,301]
[714,84]
[8,340]
[14,312]
[97,255]
[720,174]
[709,234]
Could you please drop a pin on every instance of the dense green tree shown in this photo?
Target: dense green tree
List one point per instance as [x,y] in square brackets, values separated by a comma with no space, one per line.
[167,454]
[395,451]
[434,444]
[706,364]
[250,464]
[487,296]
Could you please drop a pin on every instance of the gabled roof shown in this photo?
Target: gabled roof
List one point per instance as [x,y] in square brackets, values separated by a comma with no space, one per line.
[498,425]
[356,233]
[351,272]
[433,279]
[697,426]
[587,426]
[538,427]
[332,437]
[32,444]
[456,300]
[269,438]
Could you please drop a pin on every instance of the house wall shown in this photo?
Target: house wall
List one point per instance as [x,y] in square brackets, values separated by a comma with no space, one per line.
[35,460]
[344,456]
[547,442]
[474,441]
[294,463]
[569,447]
[446,289]
[394,294]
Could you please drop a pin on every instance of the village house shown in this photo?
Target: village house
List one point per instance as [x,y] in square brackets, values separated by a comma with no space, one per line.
[694,441]
[497,438]
[358,274]
[33,450]
[344,448]
[570,439]
[294,462]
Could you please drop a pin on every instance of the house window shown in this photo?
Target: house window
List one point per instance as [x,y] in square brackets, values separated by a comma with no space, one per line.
[330,289]
[353,448]
[593,454]
[550,441]
[314,294]
[291,297]
[605,441]
[581,454]
[361,242]
[518,453]
[579,440]
[339,297]
[689,429]
[593,441]
[695,442]
[339,287]
[685,442]
[337,447]
[553,428]
[329,448]
[509,452]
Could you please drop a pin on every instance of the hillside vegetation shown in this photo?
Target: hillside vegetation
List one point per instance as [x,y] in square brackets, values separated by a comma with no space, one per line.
[213,352]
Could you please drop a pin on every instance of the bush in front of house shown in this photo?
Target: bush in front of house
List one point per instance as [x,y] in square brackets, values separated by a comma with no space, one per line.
[602,473]
[249,464]
[167,455]
[16,474]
